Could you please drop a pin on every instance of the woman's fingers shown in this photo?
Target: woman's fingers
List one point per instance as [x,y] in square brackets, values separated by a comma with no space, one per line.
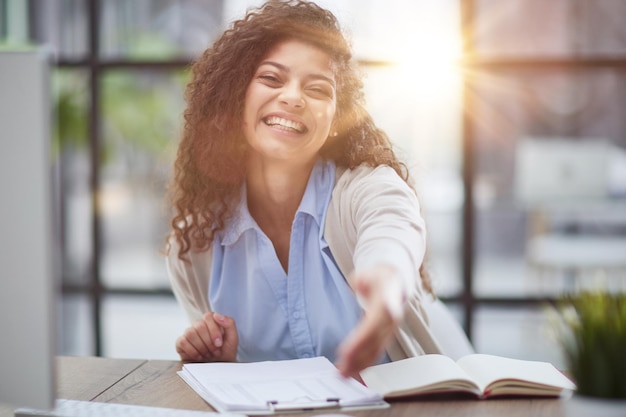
[191,345]
[230,341]
[211,334]
[185,350]
[365,344]
[205,339]
[382,293]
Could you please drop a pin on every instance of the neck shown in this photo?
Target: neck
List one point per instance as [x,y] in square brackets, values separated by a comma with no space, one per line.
[274,192]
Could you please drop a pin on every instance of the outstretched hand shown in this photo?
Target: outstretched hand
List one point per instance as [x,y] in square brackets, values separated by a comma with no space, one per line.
[381,290]
[212,339]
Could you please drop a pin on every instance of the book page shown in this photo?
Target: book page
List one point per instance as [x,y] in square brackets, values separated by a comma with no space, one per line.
[518,374]
[418,375]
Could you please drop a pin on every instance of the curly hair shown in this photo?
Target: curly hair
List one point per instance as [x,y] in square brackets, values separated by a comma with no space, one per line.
[210,164]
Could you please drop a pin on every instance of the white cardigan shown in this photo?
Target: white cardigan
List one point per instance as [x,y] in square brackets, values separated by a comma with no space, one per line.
[373,218]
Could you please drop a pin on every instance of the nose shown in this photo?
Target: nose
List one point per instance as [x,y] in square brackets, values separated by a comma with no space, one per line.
[291,96]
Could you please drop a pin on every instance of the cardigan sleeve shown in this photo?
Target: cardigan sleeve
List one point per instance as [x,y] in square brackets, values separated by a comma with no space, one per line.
[373,218]
[189,280]
[381,221]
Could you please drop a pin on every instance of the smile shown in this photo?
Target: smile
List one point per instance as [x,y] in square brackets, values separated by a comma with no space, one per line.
[285,124]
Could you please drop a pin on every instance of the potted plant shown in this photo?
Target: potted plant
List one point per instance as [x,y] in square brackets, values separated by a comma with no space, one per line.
[593,338]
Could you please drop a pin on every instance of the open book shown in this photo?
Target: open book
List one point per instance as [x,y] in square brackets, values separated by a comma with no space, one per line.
[275,386]
[478,374]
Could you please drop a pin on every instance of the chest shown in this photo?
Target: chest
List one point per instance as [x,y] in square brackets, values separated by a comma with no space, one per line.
[280,239]
[304,310]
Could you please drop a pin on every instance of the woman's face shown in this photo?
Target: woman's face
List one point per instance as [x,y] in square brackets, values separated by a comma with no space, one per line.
[290,103]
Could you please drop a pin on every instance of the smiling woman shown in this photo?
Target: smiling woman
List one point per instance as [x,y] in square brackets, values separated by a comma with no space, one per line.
[289,108]
[296,231]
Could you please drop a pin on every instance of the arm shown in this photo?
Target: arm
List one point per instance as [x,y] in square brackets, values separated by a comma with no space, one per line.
[389,229]
[189,283]
[377,236]
[381,293]
[211,336]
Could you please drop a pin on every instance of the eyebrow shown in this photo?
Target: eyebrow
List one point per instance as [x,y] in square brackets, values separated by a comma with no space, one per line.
[314,76]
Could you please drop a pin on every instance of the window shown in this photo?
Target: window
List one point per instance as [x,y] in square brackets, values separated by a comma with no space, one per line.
[459,109]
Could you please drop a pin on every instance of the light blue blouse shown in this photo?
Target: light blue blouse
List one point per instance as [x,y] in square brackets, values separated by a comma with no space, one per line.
[304,313]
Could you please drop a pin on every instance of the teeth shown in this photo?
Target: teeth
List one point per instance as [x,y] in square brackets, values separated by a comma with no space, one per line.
[286,124]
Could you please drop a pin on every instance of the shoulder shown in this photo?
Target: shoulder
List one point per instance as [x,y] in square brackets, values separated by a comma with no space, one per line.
[193,256]
[351,183]
[366,172]
[367,192]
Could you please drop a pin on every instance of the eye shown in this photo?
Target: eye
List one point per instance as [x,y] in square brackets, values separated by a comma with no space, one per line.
[269,79]
[321,91]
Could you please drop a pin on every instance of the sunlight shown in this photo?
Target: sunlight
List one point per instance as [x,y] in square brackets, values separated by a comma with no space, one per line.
[433,66]
[423,43]
[416,94]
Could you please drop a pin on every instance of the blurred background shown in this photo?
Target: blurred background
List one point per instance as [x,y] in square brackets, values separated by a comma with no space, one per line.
[510,113]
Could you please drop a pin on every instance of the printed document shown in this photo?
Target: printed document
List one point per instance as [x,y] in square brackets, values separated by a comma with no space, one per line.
[275,386]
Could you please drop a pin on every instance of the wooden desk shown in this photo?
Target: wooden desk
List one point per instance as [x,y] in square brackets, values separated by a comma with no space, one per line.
[155,383]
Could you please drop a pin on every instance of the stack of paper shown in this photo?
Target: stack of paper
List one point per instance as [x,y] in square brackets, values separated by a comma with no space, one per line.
[268,387]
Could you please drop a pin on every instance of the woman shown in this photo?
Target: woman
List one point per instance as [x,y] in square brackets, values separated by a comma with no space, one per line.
[295,231]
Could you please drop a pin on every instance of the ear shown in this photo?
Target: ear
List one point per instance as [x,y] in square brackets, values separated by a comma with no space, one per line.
[333,129]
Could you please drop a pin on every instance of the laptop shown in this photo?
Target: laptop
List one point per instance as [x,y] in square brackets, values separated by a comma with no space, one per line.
[555,169]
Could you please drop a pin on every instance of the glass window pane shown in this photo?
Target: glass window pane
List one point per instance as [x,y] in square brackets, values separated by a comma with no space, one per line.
[522,333]
[141,123]
[63,24]
[555,28]
[550,186]
[70,149]
[75,326]
[158,29]
[416,99]
[142,327]
[422,118]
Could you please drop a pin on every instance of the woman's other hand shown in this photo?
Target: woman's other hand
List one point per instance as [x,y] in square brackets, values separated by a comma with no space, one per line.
[212,339]
[381,292]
